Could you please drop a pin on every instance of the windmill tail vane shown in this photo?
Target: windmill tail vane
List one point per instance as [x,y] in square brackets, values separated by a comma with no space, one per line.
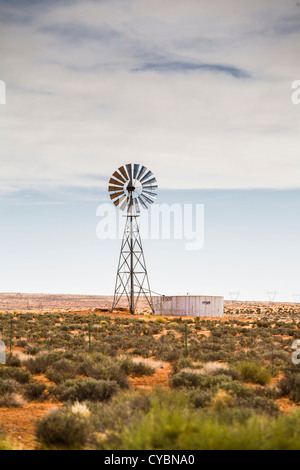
[131,188]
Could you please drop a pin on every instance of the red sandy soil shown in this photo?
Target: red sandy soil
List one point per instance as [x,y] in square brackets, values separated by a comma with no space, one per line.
[20,423]
[160,378]
[286,405]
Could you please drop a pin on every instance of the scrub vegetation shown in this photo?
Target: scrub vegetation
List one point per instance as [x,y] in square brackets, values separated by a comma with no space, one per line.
[131,382]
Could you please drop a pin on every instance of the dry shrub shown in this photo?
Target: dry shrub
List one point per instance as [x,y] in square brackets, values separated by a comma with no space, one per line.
[222,400]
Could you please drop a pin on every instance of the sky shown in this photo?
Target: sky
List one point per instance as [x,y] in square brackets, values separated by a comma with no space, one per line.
[199,92]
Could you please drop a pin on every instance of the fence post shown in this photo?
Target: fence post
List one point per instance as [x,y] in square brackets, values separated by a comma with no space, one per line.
[11,334]
[90,346]
[186,348]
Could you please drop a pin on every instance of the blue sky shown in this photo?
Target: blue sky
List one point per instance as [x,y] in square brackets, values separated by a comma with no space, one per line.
[200,92]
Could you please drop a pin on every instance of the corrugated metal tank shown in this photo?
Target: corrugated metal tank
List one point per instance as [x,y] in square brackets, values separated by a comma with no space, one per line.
[189,305]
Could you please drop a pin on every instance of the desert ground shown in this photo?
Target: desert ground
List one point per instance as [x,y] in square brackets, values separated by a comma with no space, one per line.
[80,377]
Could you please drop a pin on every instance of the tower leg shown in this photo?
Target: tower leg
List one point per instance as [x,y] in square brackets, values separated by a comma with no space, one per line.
[132,278]
[131,270]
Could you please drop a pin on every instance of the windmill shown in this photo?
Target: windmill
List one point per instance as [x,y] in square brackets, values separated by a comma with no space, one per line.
[131,188]
[234,295]
[296,297]
[272,295]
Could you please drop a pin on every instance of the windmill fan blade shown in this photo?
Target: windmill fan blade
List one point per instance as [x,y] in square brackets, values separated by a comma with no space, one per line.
[129,170]
[135,170]
[123,171]
[147,175]
[124,204]
[114,188]
[119,200]
[150,193]
[118,194]
[118,176]
[113,181]
[150,201]
[152,180]
[142,203]
[137,207]
[150,187]
[142,171]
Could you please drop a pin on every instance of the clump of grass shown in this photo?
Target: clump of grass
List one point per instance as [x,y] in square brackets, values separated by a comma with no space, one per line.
[63,429]
[61,370]
[160,320]
[13,361]
[14,373]
[290,385]
[222,400]
[9,395]
[172,429]
[7,387]
[40,363]
[254,372]
[101,367]
[185,379]
[34,391]
[11,400]
[136,368]
[86,389]
[196,379]
[200,398]
[5,444]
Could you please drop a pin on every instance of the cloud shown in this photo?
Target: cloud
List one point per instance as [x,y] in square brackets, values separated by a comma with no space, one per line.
[198,91]
[186,66]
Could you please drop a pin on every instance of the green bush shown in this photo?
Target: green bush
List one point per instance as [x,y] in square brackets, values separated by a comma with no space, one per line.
[254,372]
[13,361]
[8,394]
[221,400]
[169,429]
[136,369]
[34,391]
[290,385]
[258,404]
[14,373]
[101,367]
[200,398]
[61,371]
[202,381]
[12,400]
[40,363]
[86,389]
[6,387]
[63,429]
[5,444]
[185,379]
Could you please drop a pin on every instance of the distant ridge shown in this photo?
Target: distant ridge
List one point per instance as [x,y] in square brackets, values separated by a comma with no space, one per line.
[24,302]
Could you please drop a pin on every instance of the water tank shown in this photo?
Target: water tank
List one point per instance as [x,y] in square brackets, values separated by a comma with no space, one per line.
[189,305]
